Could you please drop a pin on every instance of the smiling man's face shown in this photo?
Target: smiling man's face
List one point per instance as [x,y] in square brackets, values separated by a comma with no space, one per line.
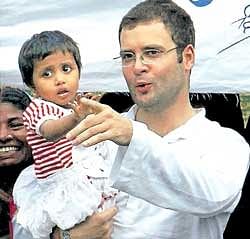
[13,144]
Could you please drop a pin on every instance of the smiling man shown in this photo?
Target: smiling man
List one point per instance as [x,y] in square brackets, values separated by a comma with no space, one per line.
[15,154]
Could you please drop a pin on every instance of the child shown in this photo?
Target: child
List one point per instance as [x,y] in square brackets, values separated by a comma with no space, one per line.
[69,182]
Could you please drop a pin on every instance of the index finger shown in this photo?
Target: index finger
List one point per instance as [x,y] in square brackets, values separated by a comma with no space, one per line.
[92,106]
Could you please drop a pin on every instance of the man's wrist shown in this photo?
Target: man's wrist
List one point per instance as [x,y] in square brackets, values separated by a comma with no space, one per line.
[65,234]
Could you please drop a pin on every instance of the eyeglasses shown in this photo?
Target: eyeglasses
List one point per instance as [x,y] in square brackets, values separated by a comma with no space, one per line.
[148,56]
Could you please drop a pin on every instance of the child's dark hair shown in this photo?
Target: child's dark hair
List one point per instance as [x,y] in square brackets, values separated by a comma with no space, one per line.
[42,45]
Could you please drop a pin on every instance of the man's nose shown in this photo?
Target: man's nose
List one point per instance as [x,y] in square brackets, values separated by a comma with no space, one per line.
[5,133]
[139,65]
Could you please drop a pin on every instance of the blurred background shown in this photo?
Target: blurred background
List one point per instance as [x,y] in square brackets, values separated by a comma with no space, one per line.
[222,40]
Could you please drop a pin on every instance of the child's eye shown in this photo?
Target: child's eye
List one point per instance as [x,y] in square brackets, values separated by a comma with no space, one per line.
[47,73]
[66,68]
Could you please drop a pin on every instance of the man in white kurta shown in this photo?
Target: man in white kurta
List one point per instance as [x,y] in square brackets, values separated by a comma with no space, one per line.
[182,173]
[183,185]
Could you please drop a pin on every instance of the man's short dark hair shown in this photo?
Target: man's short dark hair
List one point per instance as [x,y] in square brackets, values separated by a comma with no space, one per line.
[176,20]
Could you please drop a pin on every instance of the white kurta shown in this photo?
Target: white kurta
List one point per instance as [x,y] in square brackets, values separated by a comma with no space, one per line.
[183,185]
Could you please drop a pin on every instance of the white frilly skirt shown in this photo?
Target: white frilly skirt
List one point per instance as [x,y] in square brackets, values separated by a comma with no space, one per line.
[65,198]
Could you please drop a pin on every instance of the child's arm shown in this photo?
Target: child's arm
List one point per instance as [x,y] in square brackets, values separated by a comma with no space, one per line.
[53,130]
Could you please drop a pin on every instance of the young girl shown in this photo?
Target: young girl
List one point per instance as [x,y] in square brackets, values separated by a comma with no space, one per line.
[66,183]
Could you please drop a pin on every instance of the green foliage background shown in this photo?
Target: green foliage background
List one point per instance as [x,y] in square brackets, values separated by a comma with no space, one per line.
[245,106]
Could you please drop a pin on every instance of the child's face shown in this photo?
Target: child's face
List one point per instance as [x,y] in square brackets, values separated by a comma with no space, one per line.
[56,78]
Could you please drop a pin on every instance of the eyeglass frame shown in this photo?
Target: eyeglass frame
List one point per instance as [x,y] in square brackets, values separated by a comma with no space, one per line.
[133,59]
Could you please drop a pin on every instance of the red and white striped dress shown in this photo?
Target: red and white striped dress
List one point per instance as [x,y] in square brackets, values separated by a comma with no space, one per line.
[66,183]
[49,156]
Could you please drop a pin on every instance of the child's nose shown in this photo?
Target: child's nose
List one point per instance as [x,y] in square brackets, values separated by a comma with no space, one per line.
[60,78]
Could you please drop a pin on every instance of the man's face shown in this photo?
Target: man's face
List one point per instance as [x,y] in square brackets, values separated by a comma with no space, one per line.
[156,85]
[13,144]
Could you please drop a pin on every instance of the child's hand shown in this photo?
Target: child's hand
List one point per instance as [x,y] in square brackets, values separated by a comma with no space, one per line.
[93,95]
[101,123]
[80,110]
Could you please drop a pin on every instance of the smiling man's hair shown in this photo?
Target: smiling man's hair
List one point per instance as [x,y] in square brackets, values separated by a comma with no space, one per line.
[14,96]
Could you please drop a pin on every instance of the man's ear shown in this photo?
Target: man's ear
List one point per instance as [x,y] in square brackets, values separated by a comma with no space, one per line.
[188,55]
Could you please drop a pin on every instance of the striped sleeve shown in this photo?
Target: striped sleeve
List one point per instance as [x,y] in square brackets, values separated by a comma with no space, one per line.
[38,112]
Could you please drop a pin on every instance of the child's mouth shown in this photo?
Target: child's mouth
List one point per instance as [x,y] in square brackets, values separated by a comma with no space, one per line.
[63,93]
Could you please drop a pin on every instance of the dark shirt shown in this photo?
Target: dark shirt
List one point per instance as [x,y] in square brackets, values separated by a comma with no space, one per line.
[8,176]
